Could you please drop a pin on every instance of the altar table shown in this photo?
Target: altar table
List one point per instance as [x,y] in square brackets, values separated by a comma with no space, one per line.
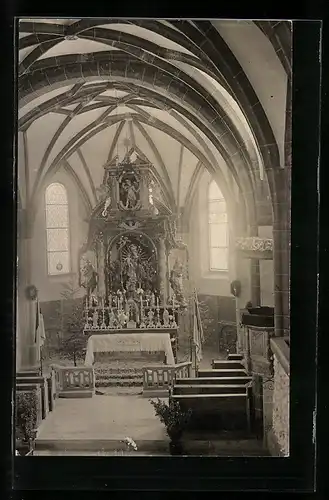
[121,342]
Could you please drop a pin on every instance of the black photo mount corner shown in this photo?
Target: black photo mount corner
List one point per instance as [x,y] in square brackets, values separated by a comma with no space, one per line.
[169,474]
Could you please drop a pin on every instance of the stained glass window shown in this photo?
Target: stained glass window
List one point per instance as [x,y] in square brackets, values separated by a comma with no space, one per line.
[218,229]
[57,228]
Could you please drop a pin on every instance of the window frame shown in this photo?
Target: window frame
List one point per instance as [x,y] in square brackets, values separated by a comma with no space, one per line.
[67,228]
[210,200]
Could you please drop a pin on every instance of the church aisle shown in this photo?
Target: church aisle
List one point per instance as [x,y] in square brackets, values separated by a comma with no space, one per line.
[110,417]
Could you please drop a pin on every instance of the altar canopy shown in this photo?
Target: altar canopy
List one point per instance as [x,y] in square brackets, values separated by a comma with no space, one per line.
[129,342]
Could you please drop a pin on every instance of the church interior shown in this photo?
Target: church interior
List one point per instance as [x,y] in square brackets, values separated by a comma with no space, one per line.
[153,233]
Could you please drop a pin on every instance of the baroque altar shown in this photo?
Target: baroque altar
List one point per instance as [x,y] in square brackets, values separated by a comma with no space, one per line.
[126,264]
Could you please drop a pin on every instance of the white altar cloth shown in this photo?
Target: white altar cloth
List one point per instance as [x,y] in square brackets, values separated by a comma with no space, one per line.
[129,342]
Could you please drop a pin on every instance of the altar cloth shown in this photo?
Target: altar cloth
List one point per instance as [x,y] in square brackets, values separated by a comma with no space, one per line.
[121,342]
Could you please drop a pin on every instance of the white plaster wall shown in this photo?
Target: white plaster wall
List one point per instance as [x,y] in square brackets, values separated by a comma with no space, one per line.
[50,287]
[206,281]
[281,405]
[257,57]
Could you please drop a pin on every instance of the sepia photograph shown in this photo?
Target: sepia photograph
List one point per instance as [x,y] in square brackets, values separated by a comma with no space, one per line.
[153,237]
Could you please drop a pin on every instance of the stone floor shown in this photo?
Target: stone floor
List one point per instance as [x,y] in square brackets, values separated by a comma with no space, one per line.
[98,426]
[102,418]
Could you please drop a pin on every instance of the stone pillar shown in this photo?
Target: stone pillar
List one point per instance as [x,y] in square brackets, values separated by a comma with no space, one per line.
[162,270]
[239,331]
[255,274]
[28,357]
[281,254]
[268,387]
[279,181]
[255,282]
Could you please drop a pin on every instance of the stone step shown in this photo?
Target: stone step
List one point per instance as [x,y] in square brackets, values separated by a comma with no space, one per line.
[32,373]
[122,375]
[117,370]
[118,382]
[229,363]
[209,389]
[235,357]
[125,365]
[215,380]
[76,394]
[225,372]
[119,391]
[191,446]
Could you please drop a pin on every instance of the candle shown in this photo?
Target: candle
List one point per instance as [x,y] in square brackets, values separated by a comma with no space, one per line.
[173,302]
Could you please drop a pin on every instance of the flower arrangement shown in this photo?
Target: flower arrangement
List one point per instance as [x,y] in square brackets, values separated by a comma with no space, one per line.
[172,416]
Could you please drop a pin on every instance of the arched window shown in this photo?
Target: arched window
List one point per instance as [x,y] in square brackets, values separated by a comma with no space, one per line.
[57,227]
[218,229]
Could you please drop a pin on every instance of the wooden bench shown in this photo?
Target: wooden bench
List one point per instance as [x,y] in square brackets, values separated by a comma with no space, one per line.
[195,389]
[42,381]
[225,372]
[217,411]
[216,380]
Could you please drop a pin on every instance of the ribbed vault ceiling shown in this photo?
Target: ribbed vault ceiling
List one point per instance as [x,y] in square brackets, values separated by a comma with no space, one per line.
[74,114]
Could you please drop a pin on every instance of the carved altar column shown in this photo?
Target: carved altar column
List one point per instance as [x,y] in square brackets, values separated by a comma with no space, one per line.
[100,268]
[144,191]
[162,270]
[113,190]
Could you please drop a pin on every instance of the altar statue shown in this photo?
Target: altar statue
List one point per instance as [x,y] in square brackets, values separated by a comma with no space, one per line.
[176,282]
[89,277]
[106,206]
[166,318]
[130,268]
[131,197]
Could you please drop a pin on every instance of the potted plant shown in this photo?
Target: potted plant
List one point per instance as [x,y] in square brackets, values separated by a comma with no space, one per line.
[26,421]
[175,420]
